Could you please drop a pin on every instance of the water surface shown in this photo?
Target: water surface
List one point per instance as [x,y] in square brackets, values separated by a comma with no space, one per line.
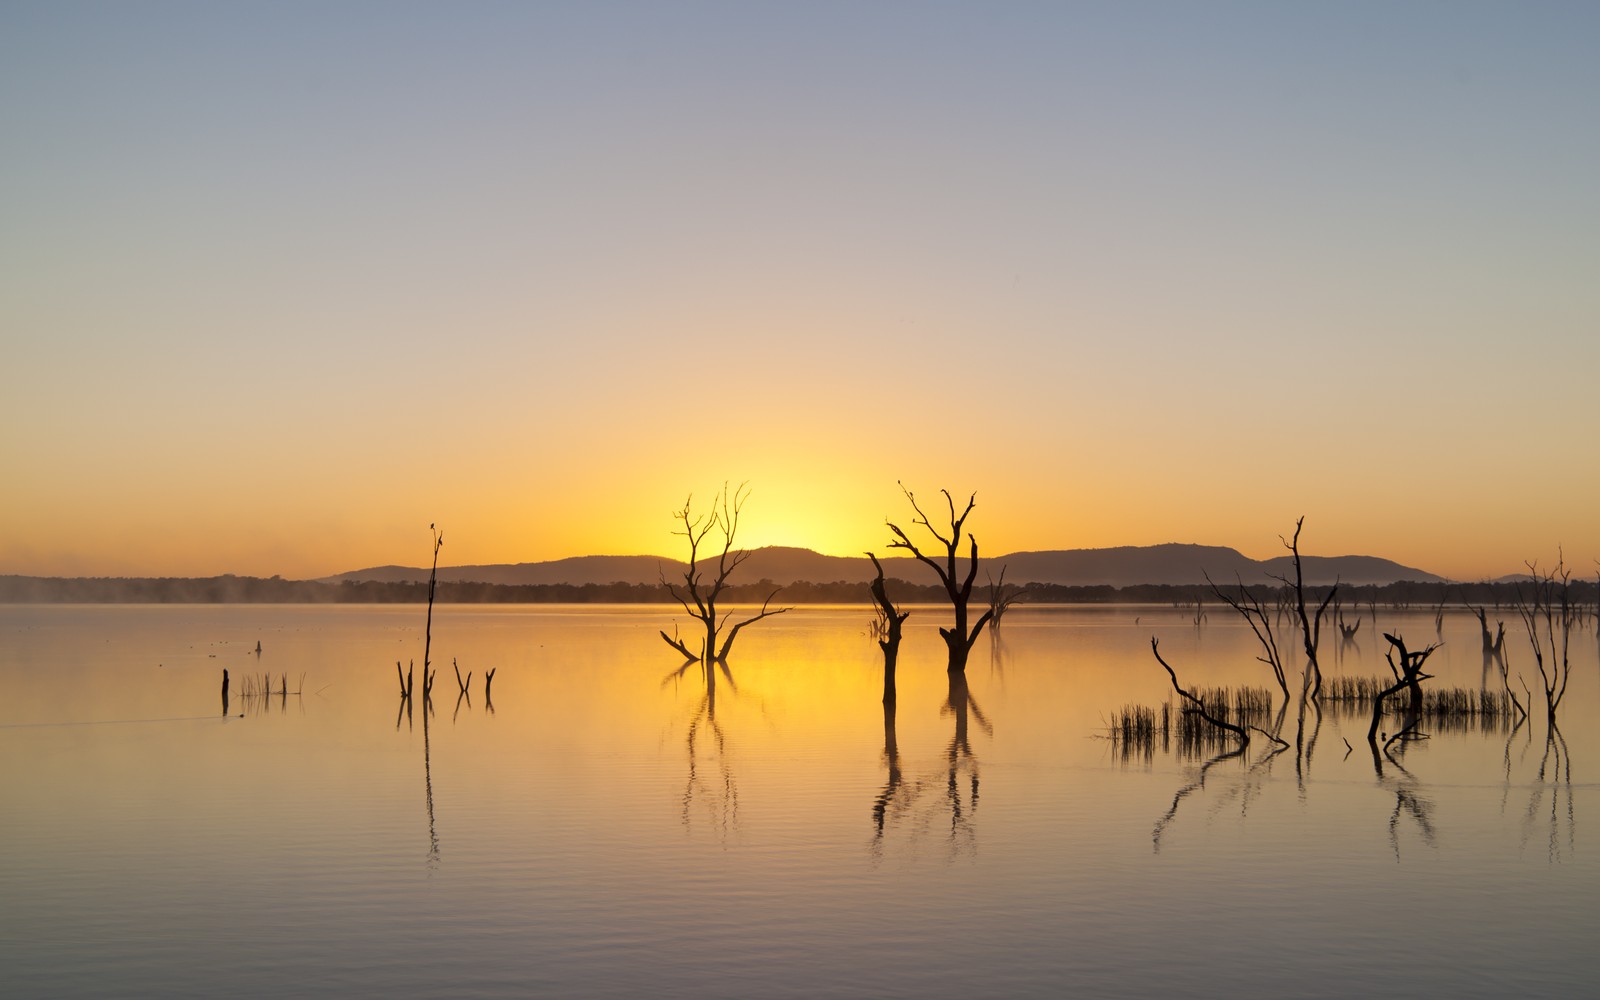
[613,826]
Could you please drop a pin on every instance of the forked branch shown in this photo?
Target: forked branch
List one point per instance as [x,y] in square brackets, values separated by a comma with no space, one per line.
[1198,706]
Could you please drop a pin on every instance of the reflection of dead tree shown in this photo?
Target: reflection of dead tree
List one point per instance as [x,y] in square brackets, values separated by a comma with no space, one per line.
[1187,790]
[1244,791]
[962,763]
[1255,616]
[1408,803]
[892,619]
[702,585]
[720,795]
[1556,781]
[896,779]
[427,773]
[958,638]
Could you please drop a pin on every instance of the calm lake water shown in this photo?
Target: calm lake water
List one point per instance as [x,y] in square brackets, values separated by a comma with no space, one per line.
[610,826]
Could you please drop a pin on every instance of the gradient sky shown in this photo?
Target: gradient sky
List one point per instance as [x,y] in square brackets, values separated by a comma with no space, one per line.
[283,283]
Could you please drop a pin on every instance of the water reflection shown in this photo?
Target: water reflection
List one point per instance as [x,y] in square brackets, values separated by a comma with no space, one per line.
[404,713]
[887,798]
[961,775]
[1553,783]
[1195,784]
[427,774]
[716,794]
[1251,779]
[1549,814]
[947,799]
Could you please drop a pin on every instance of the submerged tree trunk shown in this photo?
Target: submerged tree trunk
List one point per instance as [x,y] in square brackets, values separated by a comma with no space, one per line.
[893,620]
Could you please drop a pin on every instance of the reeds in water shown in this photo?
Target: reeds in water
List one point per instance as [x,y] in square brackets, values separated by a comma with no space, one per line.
[1443,708]
[1136,730]
[264,685]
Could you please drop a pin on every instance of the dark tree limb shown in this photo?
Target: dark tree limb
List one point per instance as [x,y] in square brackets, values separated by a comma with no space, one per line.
[702,584]
[893,619]
[959,639]
[1199,707]
[676,643]
[1255,616]
[1310,627]
[433,580]
[767,611]
[1408,674]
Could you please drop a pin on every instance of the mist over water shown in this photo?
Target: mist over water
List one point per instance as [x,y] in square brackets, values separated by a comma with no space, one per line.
[612,824]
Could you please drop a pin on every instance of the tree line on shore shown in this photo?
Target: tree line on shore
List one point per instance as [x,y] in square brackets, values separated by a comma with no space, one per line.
[276,590]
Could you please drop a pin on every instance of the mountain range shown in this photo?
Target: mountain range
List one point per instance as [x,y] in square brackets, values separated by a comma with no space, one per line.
[1123,566]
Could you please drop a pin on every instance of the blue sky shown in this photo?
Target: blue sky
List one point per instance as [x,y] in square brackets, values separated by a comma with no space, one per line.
[283,283]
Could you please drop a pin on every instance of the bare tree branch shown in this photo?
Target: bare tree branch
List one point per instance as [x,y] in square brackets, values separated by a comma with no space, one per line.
[959,639]
[1199,706]
[702,587]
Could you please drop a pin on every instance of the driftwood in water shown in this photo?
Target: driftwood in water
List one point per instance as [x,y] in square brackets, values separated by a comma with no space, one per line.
[1199,707]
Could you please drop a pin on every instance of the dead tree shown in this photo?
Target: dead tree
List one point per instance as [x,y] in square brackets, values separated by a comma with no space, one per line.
[958,639]
[1310,627]
[433,579]
[1493,646]
[703,584]
[1407,674]
[893,619]
[1255,616]
[1548,615]
[1001,598]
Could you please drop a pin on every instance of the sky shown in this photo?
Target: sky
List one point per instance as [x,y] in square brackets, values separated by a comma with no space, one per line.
[282,284]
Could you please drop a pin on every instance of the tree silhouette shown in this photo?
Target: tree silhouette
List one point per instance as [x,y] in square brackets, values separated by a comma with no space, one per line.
[702,585]
[893,620]
[958,638]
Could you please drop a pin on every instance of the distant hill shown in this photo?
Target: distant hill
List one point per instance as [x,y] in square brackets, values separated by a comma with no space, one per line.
[1123,566]
[578,570]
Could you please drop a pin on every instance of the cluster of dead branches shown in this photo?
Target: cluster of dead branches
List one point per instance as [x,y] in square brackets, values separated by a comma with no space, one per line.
[712,560]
